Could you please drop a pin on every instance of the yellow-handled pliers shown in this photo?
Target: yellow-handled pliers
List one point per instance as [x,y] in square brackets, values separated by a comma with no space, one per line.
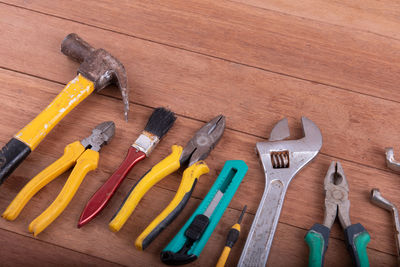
[192,156]
[85,155]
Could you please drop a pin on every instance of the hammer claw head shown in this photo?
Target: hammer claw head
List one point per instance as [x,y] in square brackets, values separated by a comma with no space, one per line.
[99,66]
[122,83]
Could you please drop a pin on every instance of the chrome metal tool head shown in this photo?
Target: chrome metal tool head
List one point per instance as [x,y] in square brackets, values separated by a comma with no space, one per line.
[281,160]
[203,141]
[284,158]
[382,202]
[97,65]
[337,201]
[390,161]
[101,135]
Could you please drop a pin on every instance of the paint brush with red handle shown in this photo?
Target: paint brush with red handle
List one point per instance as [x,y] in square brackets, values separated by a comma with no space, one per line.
[157,126]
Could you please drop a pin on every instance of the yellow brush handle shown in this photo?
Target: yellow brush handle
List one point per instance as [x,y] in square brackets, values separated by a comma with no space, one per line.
[189,179]
[71,154]
[75,91]
[153,176]
[224,257]
[86,162]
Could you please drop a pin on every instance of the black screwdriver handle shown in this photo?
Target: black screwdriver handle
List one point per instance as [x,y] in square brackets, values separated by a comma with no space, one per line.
[11,155]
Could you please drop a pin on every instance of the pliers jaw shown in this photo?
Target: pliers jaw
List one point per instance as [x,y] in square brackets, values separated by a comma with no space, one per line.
[101,135]
[337,201]
[203,141]
[337,204]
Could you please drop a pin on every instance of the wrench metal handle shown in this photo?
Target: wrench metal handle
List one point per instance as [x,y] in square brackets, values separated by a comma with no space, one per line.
[256,250]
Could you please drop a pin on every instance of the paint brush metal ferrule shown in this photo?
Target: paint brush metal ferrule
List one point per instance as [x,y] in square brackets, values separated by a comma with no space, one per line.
[146,142]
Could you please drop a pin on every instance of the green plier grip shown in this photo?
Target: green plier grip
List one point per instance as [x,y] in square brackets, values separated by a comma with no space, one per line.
[317,240]
[357,239]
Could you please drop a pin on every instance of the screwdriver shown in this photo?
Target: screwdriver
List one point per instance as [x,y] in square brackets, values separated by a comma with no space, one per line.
[233,236]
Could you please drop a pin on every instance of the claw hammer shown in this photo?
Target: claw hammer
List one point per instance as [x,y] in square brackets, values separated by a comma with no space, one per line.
[98,69]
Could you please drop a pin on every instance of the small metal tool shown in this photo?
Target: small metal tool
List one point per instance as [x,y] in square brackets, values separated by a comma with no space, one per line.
[382,202]
[281,161]
[390,161]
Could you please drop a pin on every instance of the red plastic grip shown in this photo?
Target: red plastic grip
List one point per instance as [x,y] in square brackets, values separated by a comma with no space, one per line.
[103,195]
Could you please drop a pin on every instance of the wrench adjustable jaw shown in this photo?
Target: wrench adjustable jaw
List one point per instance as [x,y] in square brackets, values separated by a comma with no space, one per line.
[281,161]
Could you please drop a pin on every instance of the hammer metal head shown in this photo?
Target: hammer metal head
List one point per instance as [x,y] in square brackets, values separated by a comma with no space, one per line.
[98,66]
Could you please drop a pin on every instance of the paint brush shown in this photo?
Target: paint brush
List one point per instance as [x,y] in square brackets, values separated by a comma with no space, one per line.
[157,126]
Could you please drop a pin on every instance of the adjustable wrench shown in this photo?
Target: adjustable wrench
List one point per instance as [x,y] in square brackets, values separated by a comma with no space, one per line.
[281,161]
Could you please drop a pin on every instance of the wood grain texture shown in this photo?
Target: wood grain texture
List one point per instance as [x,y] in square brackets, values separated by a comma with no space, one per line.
[280,43]
[253,63]
[378,17]
[347,120]
[19,250]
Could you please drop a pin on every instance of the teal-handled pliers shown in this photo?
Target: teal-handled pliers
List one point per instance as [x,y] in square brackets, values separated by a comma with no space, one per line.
[337,204]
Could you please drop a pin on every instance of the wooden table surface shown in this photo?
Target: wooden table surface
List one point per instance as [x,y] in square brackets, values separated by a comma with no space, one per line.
[254,61]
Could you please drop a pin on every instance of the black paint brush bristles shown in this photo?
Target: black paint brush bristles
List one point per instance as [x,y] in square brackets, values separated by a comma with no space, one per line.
[160,122]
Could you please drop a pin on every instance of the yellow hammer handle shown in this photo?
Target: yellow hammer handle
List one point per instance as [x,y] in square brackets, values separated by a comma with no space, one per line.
[189,179]
[71,153]
[224,257]
[154,175]
[86,162]
[75,91]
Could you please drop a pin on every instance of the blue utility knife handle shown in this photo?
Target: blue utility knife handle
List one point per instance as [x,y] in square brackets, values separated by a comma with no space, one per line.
[170,254]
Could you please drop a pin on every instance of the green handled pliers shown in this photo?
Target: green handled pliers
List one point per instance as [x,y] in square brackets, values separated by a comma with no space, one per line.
[337,203]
